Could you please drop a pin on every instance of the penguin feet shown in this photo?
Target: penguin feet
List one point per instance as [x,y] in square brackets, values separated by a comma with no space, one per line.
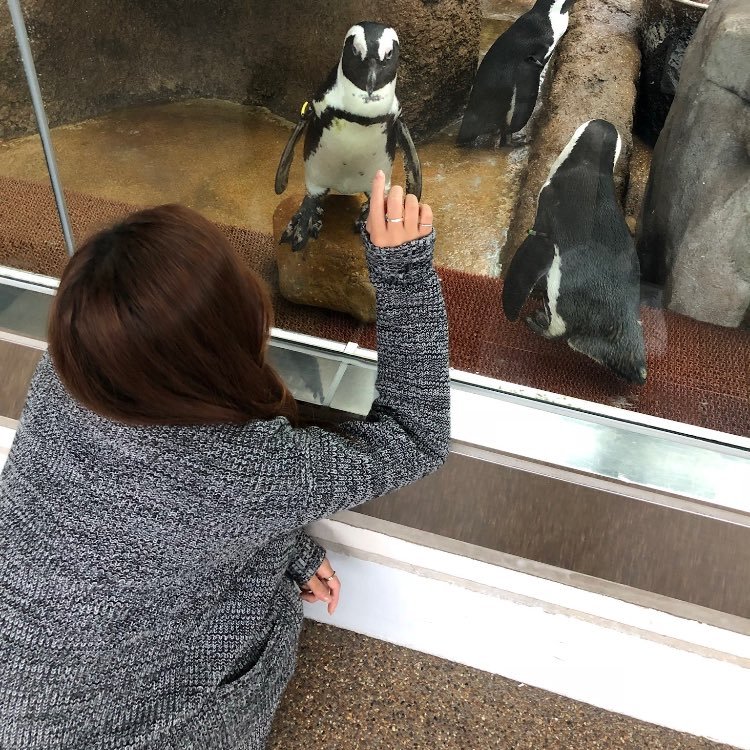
[306,223]
[364,212]
[500,140]
[539,322]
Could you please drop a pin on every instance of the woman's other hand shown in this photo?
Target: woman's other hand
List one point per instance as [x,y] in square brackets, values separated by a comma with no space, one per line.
[324,586]
[397,220]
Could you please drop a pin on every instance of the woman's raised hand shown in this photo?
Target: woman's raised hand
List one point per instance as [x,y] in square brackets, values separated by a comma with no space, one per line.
[396,220]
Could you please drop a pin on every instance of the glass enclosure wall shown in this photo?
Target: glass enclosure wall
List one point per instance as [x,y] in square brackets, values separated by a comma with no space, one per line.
[624,283]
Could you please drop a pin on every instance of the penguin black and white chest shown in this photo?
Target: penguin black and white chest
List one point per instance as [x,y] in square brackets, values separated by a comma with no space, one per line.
[581,247]
[507,82]
[353,125]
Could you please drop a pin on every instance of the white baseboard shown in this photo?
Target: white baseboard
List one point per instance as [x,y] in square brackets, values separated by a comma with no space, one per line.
[7,433]
[623,657]
[653,666]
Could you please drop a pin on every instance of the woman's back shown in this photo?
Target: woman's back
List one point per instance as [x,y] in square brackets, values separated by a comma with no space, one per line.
[149,572]
[129,560]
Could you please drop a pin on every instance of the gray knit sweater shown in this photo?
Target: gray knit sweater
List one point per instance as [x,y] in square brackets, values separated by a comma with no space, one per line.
[147,574]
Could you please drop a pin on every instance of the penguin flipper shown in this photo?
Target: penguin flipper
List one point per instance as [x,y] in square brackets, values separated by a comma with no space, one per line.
[530,263]
[524,105]
[522,113]
[287,156]
[411,160]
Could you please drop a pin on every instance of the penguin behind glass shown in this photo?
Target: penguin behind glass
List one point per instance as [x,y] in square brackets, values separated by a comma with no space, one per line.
[353,125]
[507,83]
[580,245]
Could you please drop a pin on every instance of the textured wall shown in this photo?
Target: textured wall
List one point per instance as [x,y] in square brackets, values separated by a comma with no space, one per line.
[96,55]
[694,233]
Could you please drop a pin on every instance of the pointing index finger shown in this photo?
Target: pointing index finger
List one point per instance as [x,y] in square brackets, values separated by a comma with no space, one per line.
[376,217]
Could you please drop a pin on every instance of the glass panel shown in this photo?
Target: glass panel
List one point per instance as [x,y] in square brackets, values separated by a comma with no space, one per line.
[311,378]
[24,312]
[356,390]
[30,234]
[195,104]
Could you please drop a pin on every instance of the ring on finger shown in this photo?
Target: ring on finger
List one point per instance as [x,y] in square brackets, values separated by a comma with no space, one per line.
[424,225]
[394,221]
[330,577]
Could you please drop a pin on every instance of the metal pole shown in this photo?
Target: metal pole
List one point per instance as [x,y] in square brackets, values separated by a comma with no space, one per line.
[22,38]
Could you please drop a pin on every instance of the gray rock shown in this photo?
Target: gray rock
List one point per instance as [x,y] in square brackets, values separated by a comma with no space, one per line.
[93,56]
[694,232]
[667,29]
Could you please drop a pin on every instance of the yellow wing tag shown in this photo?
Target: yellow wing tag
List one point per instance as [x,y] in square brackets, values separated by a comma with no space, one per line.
[304,109]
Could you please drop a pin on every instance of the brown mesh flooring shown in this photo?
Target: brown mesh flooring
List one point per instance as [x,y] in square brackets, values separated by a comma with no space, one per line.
[698,373]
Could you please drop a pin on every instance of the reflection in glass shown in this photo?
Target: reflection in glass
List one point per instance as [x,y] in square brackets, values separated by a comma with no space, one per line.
[196,107]
[310,378]
[24,312]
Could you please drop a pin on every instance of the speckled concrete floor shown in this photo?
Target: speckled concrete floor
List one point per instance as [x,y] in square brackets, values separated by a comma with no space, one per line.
[356,693]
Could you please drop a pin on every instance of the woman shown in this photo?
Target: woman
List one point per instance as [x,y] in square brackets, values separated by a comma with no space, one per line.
[153,500]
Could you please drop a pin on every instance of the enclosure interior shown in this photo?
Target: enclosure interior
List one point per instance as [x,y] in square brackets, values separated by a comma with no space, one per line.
[194,102]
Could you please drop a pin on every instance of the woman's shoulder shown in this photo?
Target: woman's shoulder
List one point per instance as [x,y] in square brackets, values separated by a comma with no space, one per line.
[45,386]
[48,394]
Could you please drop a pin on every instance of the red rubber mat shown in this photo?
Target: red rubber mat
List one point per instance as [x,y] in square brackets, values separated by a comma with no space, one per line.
[698,373]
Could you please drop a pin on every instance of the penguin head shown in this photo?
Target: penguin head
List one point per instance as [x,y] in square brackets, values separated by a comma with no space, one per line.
[629,363]
[629,359]
[473,130]
[621,350]
[369,59]
[597,142]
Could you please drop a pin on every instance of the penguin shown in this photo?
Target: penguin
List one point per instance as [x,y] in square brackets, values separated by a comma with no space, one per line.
[507,82]
[581,247]
[352,128]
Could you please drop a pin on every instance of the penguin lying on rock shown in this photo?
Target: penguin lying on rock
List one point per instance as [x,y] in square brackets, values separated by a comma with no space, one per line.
[507,83]
[581,246]
[353,126]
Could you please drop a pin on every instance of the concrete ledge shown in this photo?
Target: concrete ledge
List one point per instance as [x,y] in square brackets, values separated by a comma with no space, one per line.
[619,656]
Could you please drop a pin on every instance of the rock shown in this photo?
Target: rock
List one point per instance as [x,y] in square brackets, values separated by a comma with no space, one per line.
[596,67]
[667,30]
[331,272]
[640,166]
[16,113]
[694,232]
[93,56]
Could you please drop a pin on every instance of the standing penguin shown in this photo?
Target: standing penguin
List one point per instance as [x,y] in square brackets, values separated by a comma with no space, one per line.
[353,126]
[507,83]
[581,246]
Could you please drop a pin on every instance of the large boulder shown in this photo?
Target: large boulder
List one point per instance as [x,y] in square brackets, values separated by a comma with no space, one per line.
[95,55]
[331,272]
[694,232]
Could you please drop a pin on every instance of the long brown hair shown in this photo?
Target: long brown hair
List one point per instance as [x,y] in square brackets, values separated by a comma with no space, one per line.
[157,321]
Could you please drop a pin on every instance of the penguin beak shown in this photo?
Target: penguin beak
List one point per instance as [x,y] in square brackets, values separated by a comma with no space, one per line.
[372,76]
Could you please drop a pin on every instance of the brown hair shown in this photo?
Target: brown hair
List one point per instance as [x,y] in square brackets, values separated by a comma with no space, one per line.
[157,321]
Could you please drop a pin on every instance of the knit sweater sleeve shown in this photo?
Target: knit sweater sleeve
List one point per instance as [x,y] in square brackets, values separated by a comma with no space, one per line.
[404,437]
[308,558]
